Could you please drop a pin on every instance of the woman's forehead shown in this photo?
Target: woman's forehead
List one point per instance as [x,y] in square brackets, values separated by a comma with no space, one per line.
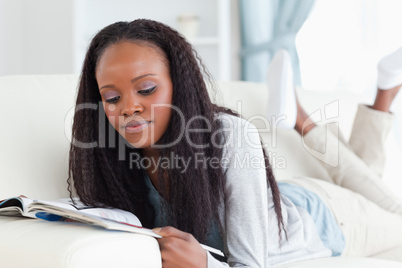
[130,55]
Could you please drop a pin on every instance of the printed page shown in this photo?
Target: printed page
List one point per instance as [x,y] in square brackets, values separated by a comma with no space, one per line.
[66,203]
[62,203]
[114,214]
[83,217]
[107,213]
[15,206]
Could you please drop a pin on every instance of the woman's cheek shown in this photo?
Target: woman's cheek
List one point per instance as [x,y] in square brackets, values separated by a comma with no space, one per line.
[113,119]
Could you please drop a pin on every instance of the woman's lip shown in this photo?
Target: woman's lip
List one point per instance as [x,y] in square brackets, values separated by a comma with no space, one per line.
[135,126]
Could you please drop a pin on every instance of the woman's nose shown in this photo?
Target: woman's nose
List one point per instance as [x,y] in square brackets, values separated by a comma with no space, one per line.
[131,106]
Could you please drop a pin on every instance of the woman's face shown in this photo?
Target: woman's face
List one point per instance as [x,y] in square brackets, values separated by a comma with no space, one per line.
[136,89]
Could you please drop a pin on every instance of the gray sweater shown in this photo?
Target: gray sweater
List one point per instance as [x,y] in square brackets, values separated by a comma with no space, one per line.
[247,219]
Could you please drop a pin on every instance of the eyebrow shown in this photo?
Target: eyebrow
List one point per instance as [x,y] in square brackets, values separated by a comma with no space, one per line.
[132,80]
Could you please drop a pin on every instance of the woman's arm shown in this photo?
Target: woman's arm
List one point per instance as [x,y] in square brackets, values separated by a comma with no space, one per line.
[244,217]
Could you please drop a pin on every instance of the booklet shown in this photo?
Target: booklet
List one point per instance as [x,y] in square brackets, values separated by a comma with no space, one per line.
[66,210]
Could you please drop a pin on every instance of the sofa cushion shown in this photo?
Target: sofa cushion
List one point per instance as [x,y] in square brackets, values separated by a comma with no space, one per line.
[344,262]
[36,243]
[394,254]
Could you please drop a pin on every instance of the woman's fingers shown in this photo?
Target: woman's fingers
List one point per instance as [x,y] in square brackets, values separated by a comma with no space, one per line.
[180,249]
[169,231]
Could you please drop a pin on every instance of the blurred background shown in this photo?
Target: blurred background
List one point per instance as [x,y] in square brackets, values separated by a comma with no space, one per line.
[335,45]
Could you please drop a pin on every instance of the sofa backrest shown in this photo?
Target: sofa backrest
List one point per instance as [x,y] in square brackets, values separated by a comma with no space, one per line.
[36,118]
[33,141]
[284,146]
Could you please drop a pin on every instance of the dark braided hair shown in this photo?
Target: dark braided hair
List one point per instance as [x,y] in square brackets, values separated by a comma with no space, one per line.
[98,175]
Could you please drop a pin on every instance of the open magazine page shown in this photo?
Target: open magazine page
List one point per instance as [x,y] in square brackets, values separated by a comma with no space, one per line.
[114,214]
[66,210]
[107,213]
[16,206]
[53,213]
[109,218]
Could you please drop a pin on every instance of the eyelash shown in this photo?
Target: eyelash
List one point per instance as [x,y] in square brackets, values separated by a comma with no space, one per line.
[142,92]
[113,100]
[147,91]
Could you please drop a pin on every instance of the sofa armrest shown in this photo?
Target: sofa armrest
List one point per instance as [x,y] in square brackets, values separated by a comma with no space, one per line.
[36,243]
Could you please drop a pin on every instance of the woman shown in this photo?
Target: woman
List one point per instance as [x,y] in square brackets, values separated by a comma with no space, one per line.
[163,151]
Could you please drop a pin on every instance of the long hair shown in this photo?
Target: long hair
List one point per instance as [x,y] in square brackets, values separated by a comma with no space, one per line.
[97,174]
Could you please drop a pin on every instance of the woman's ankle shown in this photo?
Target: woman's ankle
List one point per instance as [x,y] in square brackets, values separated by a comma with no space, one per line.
[303,122]
[384,99]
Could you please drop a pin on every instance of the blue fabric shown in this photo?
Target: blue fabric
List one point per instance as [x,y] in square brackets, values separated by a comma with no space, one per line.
[266,27]
[328,230]
[256,17]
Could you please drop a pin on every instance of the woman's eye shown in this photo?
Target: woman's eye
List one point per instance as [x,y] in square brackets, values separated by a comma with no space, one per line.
[147,91]
[113,100]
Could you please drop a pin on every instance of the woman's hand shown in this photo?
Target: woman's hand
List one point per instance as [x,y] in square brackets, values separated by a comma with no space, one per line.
[180,249]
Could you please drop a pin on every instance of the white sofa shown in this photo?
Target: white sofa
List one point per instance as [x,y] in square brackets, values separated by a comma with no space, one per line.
[35,119]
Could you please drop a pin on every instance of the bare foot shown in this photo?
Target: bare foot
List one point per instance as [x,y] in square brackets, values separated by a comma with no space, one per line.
[303,121]
[385,98]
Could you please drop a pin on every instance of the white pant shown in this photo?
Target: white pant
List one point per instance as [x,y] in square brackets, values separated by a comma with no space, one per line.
[369,215]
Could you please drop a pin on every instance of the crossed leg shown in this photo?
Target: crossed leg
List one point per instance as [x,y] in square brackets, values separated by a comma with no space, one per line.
[369,215]
[360,163]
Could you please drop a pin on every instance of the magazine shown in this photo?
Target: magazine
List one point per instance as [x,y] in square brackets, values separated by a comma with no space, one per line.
[69,210]
[66,210]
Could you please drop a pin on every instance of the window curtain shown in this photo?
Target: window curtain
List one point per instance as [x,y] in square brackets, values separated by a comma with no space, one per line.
[267,26]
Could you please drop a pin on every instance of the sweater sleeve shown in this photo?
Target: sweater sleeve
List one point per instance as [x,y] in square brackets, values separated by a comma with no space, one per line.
[244,214]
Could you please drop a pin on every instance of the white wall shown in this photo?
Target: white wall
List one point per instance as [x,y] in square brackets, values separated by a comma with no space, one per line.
[51,36]
[348,43]
[11,42]
[93,15]
[235,40]
[36,36]
[48,34]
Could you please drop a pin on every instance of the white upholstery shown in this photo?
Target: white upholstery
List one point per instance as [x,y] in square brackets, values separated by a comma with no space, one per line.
[37,243]
[344,262]
[34,144]
[34,147]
